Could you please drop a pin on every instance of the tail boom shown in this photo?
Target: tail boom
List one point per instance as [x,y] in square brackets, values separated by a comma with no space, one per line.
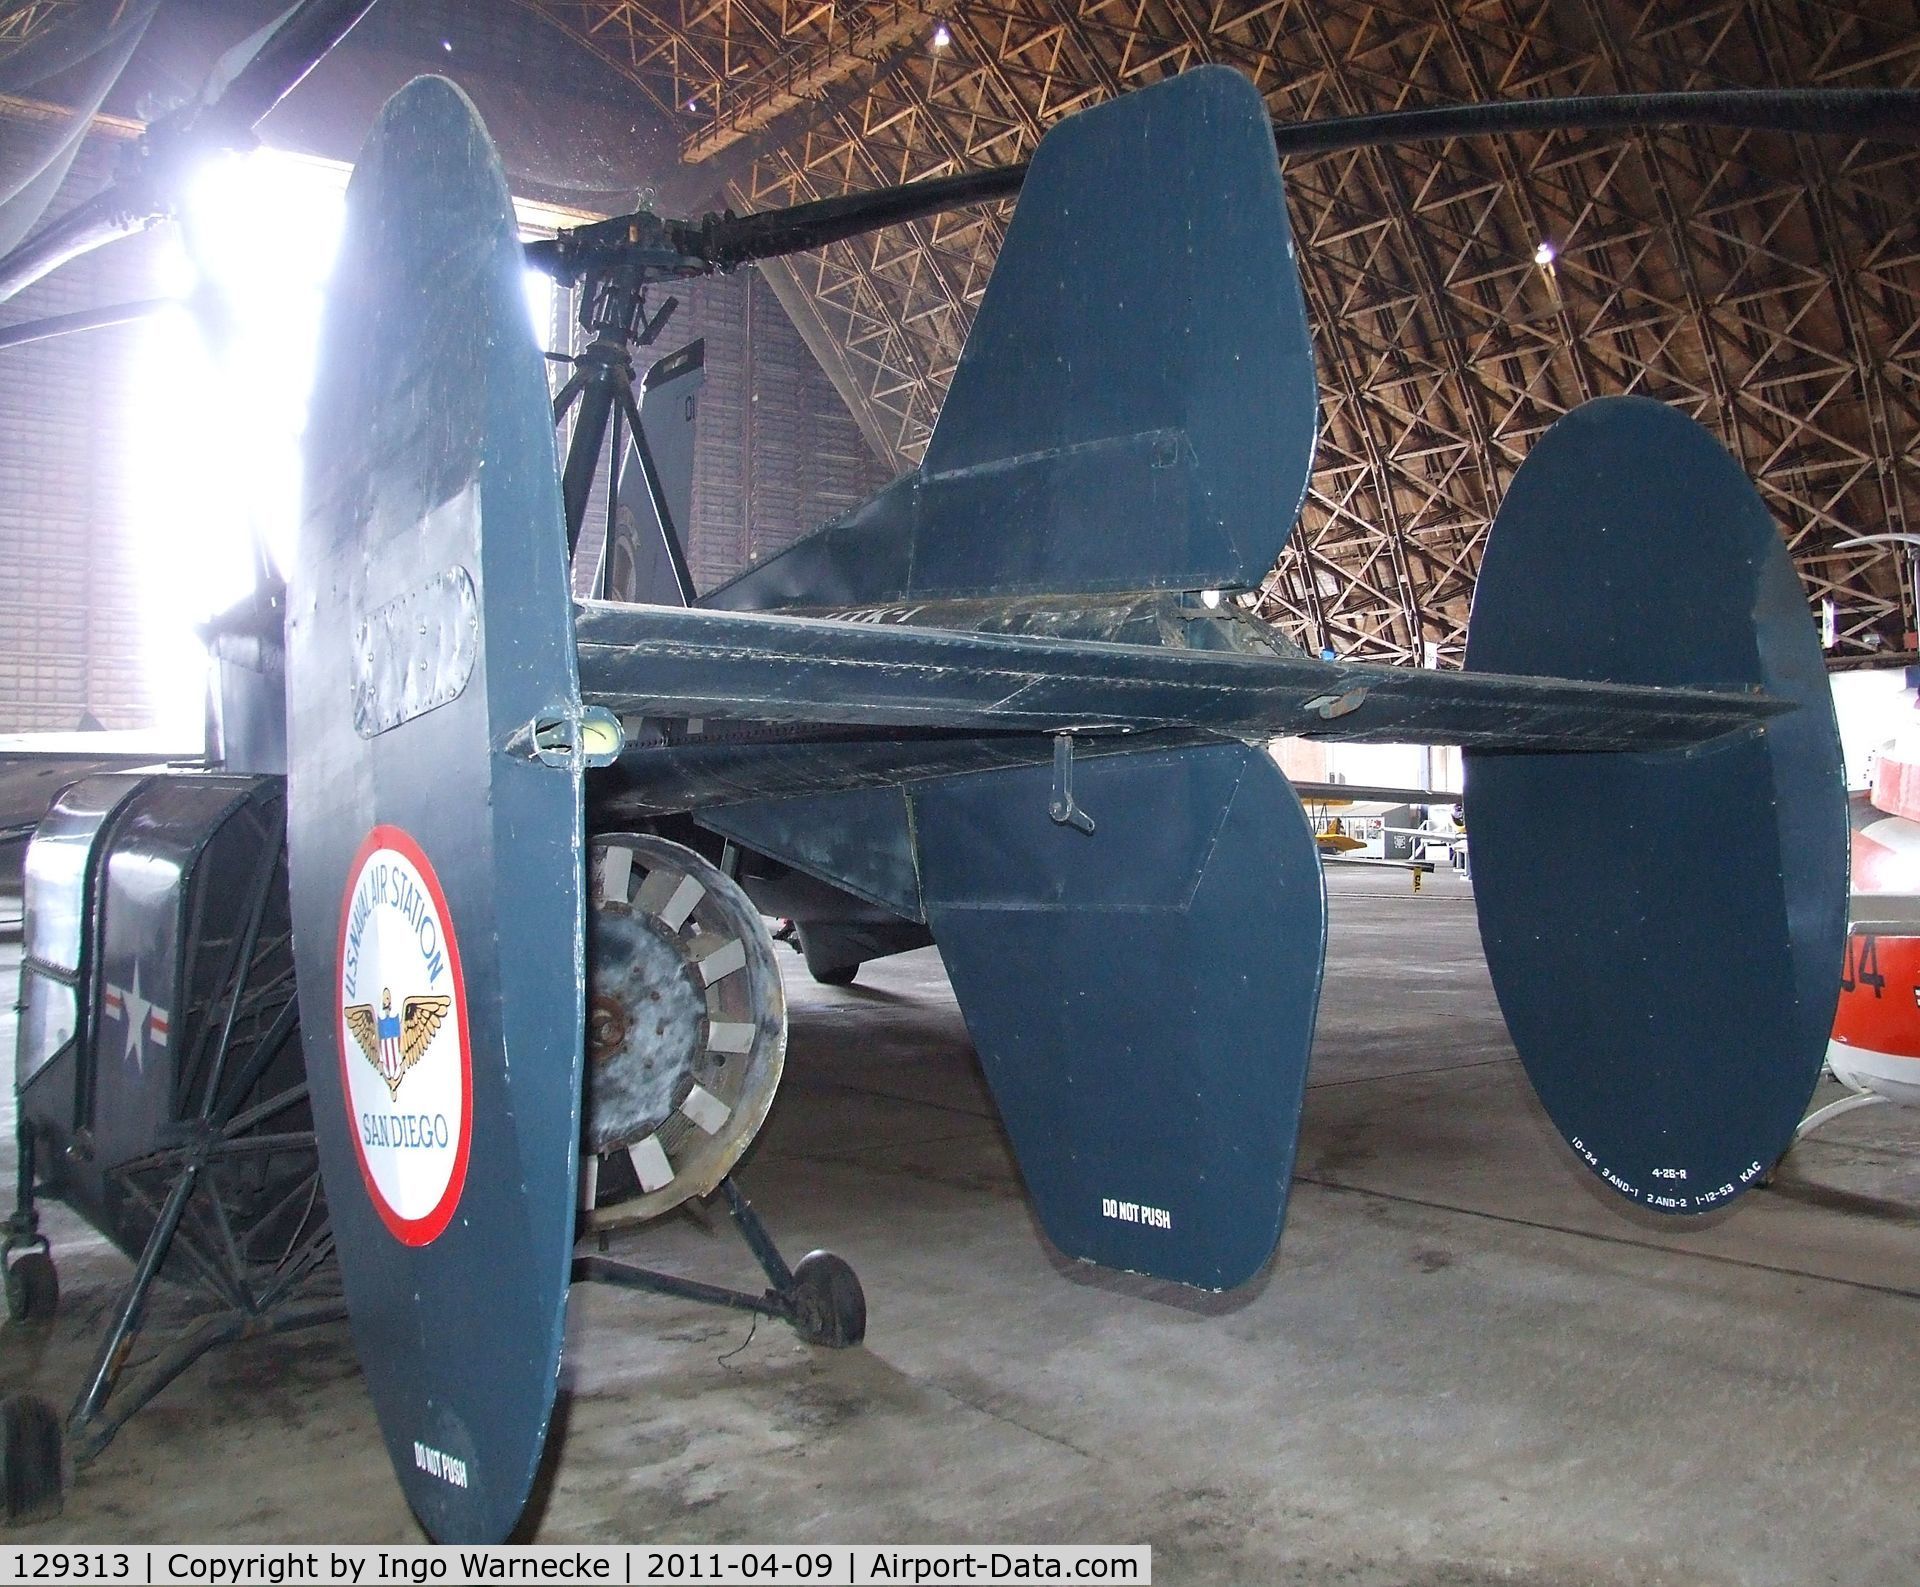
[771,668]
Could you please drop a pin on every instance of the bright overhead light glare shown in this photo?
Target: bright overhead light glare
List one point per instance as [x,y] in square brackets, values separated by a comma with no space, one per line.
[1210,599]
[447,45]
[538,287]
[941,37]
[215,424]
[1545,254]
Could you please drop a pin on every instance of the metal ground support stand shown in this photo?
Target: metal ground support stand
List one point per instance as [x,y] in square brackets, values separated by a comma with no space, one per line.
[1851,1102]
[820,1298]
[230,1254]
[613,307]
[229,1198]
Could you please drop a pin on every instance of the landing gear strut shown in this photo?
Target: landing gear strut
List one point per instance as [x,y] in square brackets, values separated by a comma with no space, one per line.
[820,1298]
[32,1456]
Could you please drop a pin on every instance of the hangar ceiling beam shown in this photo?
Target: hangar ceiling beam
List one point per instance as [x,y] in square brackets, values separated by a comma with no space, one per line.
[1768,285]
[850,38]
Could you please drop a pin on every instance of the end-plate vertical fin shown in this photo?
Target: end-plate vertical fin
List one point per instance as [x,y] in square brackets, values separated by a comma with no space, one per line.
[444,1057]
[1142,997]
[1665,931]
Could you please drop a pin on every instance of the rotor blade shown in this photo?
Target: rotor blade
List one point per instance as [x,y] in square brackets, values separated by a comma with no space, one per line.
[1850,112]
[81,230]
[82,320]
[246,83]
[723,242]
[802,226]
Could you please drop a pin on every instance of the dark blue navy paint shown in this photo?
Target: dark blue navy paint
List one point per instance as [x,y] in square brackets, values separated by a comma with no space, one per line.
[860,839]
[431,447]
[1142,997]
[1664,930]
[1135,407]
[1134,411]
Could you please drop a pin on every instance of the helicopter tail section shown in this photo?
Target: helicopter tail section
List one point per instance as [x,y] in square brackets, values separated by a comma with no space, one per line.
[1135,407]
[1665,929]
[1135,940]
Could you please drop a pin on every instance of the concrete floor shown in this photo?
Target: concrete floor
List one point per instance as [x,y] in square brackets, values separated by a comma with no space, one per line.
[1467,1365]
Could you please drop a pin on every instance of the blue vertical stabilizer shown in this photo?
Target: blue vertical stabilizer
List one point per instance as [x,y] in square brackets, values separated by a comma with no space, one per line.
[1142,997]
[1665,930]
[1135,407]
[434,859]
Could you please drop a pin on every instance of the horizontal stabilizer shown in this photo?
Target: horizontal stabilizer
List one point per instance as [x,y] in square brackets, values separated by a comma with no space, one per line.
[1135,406]
[769,667]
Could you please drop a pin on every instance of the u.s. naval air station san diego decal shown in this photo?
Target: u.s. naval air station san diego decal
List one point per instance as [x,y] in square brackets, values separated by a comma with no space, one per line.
[406,1064]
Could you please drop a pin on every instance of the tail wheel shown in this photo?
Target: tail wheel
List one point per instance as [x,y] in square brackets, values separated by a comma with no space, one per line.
[829,1307]
[33,1287]
[822,965]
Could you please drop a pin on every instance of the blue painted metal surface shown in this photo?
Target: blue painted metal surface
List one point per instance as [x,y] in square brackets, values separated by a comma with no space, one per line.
[435,859]
[1665,931]
[1142,997]
[770,668]
[1135,407]
[860,840]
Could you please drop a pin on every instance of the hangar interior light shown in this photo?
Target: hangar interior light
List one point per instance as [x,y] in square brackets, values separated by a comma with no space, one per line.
[222,397]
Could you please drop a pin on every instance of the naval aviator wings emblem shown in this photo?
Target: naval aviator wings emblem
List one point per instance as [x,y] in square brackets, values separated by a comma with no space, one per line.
[393,1044]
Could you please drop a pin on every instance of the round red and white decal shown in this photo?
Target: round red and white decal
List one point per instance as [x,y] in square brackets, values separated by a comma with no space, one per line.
[405,1062]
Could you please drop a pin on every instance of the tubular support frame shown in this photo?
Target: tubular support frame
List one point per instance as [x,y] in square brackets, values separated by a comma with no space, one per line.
[91,1436]
[777,1301]
[1835,1109]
